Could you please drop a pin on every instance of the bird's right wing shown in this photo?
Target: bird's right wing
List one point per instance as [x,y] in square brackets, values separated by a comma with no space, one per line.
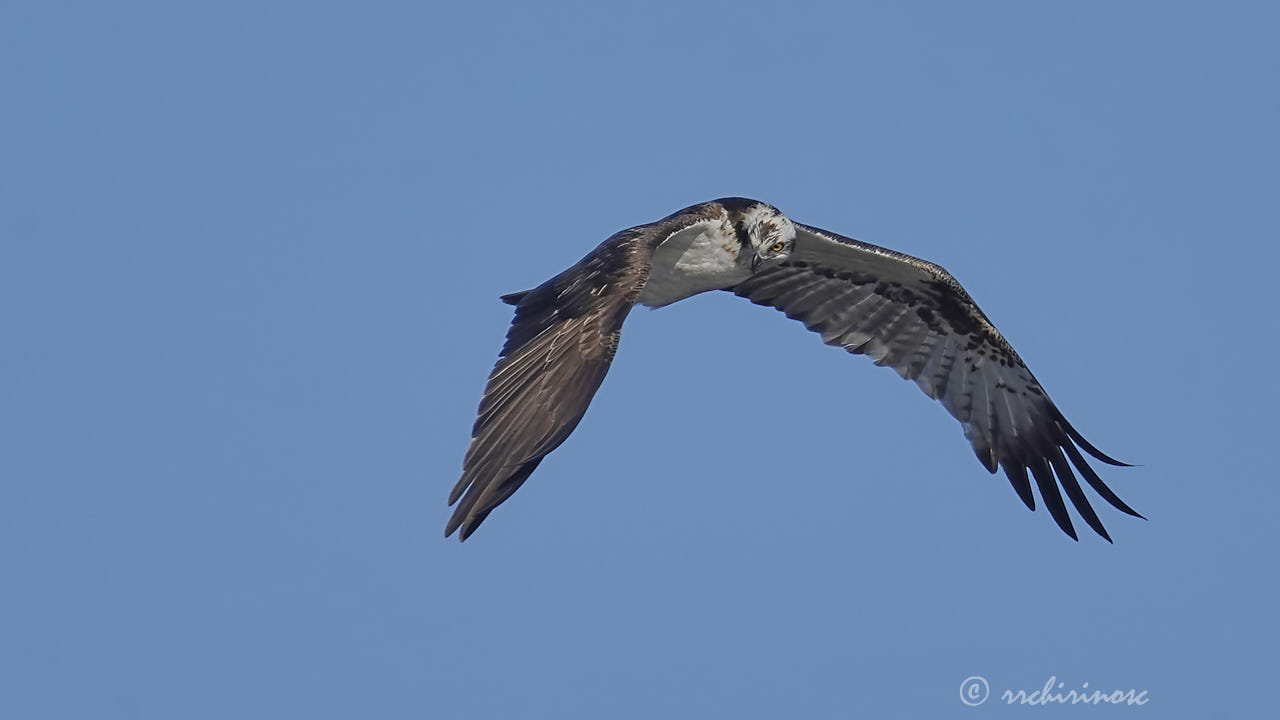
[561,342]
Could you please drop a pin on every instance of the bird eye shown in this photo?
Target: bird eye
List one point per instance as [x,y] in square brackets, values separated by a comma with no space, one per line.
[777,247]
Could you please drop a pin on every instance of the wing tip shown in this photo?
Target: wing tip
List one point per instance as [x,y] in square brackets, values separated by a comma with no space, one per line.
[467,523]
[452,526]
[1084,444]
[1067,480]
[1054,478]
[1091,477]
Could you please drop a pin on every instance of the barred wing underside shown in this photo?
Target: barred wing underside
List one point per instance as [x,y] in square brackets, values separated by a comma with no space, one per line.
[913,316]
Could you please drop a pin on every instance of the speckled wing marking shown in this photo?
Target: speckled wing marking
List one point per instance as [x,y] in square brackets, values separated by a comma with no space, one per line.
[913,316]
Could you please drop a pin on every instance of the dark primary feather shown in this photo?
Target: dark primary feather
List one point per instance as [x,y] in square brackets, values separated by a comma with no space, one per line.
[911,315]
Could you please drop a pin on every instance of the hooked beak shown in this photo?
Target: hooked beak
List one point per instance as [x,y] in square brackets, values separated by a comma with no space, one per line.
[755,263]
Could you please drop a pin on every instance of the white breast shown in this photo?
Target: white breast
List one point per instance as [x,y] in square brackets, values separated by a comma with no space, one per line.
[703,257]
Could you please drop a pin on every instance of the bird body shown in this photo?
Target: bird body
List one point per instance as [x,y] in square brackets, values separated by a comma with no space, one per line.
[710,254]
[903,312]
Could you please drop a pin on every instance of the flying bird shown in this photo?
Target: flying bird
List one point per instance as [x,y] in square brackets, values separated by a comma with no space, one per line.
[901,311]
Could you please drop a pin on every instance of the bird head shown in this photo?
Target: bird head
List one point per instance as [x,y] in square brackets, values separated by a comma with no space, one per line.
[772,235]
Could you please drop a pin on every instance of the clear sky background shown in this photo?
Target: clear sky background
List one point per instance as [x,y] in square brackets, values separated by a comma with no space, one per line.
[250,256]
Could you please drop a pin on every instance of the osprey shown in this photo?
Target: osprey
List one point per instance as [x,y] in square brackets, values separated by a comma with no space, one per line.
[903,312]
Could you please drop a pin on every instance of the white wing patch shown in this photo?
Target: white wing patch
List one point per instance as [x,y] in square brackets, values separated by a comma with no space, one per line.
[705,256]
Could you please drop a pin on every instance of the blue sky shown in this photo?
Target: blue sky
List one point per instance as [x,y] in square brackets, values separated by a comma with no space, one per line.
[250,257]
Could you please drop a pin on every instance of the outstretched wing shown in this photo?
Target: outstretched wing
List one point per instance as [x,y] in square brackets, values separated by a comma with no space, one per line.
[557,352]
[913,316]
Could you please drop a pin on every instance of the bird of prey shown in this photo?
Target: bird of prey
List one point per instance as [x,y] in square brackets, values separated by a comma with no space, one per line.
[903,312]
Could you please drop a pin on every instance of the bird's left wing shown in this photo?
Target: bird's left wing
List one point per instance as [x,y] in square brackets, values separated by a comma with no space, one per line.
[913,316]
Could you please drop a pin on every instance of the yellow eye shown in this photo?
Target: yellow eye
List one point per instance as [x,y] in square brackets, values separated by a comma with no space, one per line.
[777,247]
